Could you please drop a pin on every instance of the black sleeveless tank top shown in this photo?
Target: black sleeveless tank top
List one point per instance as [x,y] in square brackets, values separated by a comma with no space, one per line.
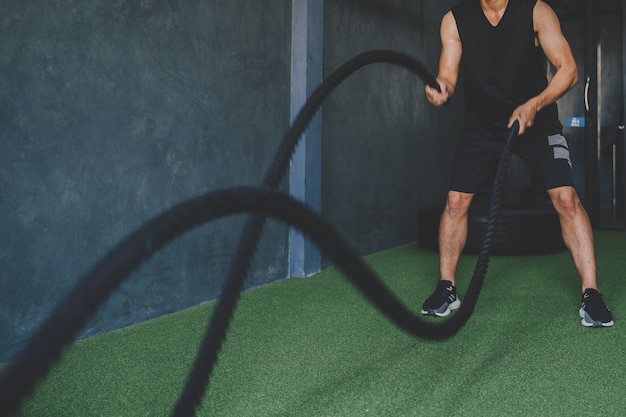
[502,66]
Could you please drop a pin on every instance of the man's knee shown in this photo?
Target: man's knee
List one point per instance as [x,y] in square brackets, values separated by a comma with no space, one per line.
[458,203]
[565,200]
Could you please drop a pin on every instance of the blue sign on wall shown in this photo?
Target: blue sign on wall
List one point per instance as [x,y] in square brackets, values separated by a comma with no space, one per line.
[575,122]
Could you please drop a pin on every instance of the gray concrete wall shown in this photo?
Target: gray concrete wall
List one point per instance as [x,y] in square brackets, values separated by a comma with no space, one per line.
[112,112]
[386,151]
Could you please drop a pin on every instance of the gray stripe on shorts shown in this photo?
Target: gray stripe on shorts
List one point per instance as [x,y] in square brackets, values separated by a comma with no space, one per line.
[559,146]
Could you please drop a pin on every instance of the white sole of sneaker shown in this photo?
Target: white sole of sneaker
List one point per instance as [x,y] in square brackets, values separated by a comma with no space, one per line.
[452,306]
[583,315]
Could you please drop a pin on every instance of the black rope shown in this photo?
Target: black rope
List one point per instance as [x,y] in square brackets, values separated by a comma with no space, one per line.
[45,347]
[482,262]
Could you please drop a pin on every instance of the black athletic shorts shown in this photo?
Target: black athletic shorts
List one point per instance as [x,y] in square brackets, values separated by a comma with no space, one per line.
[478,153]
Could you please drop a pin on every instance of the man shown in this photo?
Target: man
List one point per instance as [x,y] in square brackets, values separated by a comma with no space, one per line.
[501,43]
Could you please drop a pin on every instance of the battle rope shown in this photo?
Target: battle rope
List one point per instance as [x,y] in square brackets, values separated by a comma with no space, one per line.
[47,344]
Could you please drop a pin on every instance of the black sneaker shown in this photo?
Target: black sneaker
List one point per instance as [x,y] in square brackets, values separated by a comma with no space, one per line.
[593,311]
[442,301]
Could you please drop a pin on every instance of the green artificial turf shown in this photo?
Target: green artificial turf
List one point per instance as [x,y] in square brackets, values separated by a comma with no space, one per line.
[314,347]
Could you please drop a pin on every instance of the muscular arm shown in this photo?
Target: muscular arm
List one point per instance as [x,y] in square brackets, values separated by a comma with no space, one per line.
[449,62]
[559,54]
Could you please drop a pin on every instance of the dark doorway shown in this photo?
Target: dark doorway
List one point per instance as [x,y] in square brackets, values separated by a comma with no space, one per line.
[593,112]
